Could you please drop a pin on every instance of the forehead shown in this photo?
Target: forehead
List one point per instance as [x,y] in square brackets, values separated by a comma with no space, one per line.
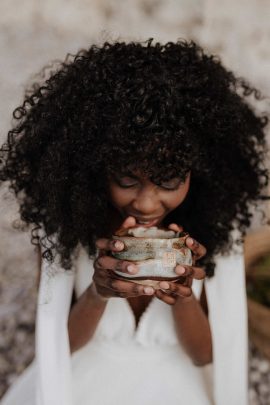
[135,172]
[141,175]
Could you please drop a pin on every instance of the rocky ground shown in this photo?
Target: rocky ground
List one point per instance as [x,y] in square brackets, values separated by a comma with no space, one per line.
[259,378]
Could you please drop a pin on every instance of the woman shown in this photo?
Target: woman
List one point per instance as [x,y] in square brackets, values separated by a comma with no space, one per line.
[130,134]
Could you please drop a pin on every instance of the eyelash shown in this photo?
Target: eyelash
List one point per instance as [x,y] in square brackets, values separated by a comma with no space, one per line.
[132,185]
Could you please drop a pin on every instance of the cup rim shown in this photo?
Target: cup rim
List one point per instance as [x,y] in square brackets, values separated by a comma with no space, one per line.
[147,238]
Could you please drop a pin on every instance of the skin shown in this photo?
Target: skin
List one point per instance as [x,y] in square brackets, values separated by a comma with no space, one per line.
[136,197]
[140,198]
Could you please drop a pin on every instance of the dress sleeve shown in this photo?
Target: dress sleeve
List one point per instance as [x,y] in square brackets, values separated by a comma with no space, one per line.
[226,295]
[84,272]
[52,342]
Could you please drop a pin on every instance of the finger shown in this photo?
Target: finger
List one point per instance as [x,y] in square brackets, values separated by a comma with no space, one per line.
[129,222]
[187,281]
[110,263]
[165,298]
[190,271]
[176,228]
[180,270]
[197,248]
[120,287]
[130,289]
[104,244]
[198,273]
[177,289]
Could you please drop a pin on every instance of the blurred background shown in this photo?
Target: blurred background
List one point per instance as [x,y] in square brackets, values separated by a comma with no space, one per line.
[35,32]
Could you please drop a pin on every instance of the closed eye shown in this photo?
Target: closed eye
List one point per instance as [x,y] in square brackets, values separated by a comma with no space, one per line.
[171,185]
[126,182]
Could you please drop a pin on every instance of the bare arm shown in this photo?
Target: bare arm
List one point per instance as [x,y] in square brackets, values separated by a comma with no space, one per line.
[193,330]
[84,317]
[190,315]
[88,310]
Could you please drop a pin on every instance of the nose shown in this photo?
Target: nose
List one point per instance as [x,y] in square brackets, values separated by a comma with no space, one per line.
[146,202]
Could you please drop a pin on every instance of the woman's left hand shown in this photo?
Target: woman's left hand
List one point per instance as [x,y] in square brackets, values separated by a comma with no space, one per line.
[171,292]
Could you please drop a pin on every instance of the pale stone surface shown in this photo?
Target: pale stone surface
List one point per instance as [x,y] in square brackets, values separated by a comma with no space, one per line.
[34,32]
[242,33]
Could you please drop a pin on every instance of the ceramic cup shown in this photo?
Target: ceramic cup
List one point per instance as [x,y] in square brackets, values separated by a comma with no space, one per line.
[155,252]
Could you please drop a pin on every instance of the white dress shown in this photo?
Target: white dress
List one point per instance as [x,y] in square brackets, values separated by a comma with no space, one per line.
[123,364]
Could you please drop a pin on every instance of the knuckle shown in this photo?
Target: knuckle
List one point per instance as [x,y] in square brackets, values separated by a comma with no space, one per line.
[99,262]
[112,283]
[98,280]
[188,292]
[196,244]
[137,289]
[158,293]
[190,271]
[119,266]
[201,273]
[96,265]
[173,287]
[169,300]
[202,252]
[199,256]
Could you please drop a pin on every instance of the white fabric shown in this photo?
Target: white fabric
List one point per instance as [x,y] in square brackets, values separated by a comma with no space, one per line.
[226,295]
[52,342]
[121,365]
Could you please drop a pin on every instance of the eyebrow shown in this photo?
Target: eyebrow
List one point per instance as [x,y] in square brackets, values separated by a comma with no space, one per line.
[133,176]
[127,174]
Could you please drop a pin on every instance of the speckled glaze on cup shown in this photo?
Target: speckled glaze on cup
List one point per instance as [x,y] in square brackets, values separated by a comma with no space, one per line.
[155,256]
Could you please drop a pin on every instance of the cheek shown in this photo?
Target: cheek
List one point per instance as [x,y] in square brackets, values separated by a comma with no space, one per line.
[119,198]
[174,199]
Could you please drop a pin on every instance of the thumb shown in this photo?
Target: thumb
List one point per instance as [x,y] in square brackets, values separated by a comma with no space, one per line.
[176,227]
[129,222]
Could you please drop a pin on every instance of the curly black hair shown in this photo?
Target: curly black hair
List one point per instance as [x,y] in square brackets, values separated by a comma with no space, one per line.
[164,109]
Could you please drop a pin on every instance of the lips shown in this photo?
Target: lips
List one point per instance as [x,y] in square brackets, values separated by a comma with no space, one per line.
[146,223]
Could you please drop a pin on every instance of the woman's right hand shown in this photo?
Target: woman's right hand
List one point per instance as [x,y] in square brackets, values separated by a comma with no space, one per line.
[106,283]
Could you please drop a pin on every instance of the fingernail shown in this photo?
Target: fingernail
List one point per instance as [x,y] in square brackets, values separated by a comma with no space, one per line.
[180,270]
[132,269]
[148,290]
[164,285]
[190,241]
[118,245]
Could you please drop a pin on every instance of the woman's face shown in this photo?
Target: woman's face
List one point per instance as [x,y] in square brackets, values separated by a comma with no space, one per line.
[148,202]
